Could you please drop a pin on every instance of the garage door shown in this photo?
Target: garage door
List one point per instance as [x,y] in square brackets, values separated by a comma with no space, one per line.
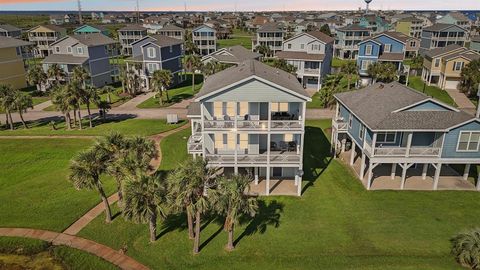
[451,84]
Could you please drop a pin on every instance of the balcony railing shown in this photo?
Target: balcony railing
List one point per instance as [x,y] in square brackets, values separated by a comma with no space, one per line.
[286,158]
[339,124]
[253,124]
[402,151]
[311,70]
[194,144]
[286,124]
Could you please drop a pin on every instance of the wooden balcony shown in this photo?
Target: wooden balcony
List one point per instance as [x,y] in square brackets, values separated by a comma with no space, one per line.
[243,159]
[405,152]
[194,144]
[339,125]
[261,125]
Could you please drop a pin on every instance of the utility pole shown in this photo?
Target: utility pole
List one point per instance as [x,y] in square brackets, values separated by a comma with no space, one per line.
[80,20]
[138,12]
[478,105]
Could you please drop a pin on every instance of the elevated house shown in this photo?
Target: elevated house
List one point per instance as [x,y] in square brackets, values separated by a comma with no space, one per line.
[374,23]
[205,38]
[12,65]
[475,43]
[90,51]
[153,53]
[398,138]
[43,36]
[90,29]
[441,35]
[270,35]
[443,66]
[128,35]
[7,30]
[458,19]
[311,53]
[348,39]
[251,119]
[410,26]
[232,55]
[173,31]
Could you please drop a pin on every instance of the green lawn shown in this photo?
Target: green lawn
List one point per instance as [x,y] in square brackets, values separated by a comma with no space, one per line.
[416,83]
[37,254]
[238,37]
[337,62]
[144,127]
[34,189]
[176,94]
[336,224]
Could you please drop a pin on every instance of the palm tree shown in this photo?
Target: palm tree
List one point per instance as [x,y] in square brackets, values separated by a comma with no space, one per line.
[209,69]
[145,198]
[139,153]
[470,78]
[374,71]
[76,92]
[383,72]
[190,47]
[263,50]
[283,65]
[55,73]
[36,76]
[22,102]
[61,102]
[85,171]
[7,103]
[192,63]
[231,200]
[108,89]
[89,95]
[331,86]
[466,248]
[161,80]
[80,75]
[123,77]
[349,69]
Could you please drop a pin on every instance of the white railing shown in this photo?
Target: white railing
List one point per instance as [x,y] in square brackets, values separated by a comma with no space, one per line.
[252,124]
[402,151]
[339,125]
[286,158]
[286,124]
[311,70]
[218,124]
[194,144]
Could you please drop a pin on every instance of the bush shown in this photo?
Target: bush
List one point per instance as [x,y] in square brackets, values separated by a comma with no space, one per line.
[466,248]
[22,246]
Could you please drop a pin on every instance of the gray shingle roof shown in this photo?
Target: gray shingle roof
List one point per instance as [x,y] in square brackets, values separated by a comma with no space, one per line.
[133,27]
[64,59]
[251,68]
[9,28]
[438,27]
[164,41]
[375,105]
[353,27]
[193,109]
[271,27]
[95,39]
[8,42]
[237,53]
[321,36]
[438,51]
[300,55]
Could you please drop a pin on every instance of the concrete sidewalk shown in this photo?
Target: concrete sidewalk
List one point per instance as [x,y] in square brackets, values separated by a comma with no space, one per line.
[462,101]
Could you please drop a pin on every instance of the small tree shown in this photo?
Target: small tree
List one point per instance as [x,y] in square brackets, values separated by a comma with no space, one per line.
[326,30]
[36,76]
[145,198]
[263,50]
[349,69]
[22,102]
[331,86]
[192,63]
[470,78]
[161,80]
[109,90]
[466,248]
[55,74]
[85,171]
[283,65]
[60,100]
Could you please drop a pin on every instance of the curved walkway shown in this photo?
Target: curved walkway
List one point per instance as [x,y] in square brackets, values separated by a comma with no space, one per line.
[115,257]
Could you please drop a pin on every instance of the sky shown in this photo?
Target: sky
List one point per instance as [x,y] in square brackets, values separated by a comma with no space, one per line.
[242,5]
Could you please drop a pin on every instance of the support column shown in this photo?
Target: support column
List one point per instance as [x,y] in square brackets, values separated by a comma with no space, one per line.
[370,175]
[362,167]
[267,182]
[344,142]
[404,175]
[437,176]
[465,173]
[299,184]
[394,171]
[235,170]
[256,175]
[424,171]
[478,182]
[352,156]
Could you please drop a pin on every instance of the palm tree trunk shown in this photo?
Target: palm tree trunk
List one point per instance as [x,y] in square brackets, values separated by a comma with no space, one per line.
[10,120]
[6,120]
[153,227]
[79,118]
[75,117]
[108,213]
[23,121]
[166,94]
[230,246]
[196,242]
[193,81]
[191,235]
[349,83]
[68,120]
[119,190]
[89,115]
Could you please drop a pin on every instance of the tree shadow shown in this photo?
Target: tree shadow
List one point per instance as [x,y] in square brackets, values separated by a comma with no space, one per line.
[316,156]
[268,216]
[173,222]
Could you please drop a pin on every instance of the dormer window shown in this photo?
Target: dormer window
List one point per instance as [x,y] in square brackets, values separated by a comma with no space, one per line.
[151,52]
[368,50]
[388,48]
[289,46]
[457,66]
[69,49]
[437,62]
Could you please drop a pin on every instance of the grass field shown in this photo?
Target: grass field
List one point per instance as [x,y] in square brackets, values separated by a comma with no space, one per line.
[317,103]
[24,253]
[238,37]
[34,189]
[336,224]
[416,83]
[176,94]
[24,21]
[144,127]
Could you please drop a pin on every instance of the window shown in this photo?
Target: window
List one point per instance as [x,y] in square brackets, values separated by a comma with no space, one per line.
[350,121]
[366,64]
[279,107]
[413,43]
[152,67]
[388,48]
[151,53]
[361,132]
[289,46]
[437,62]
[368,50]
[302,46]
[69,49]
[386,137]
[57,49]
[468,141]
[80,50]
[218,109]
[457,66]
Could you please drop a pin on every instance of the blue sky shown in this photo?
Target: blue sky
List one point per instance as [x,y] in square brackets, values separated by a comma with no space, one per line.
[207,5]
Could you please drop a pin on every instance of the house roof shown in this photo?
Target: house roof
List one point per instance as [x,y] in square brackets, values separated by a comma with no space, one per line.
[94,39]
[8,42]
[52,27]
[300,55]
[64,59]
[438,51]
[133,27]
[467,54]
[235,54]
[392,56]
[439,27]
[353,27]
[458,16]
[172,27]
[321,36]
[193,109]
[475,38]
[98,27]
[164,41]
[271,27]
[376,106]
[248,69]
[9,28]
[203,25]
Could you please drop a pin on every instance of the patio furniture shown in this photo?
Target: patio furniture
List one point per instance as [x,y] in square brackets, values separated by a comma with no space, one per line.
[283,146]
[273,146]
[292,146]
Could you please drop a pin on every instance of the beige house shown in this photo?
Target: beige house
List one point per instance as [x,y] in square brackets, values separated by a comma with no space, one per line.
[43,36]
[443,66]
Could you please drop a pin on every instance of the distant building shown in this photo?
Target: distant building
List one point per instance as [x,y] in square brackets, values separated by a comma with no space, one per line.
[90,51]
[270,35]
[458,19]
[90,29]
[128,35]
[410,26]
[374,23]
[311,53]
[205,38]
[43,36]
[12,67]
[173,31]
[7,30]
[347,40]
[59,19]
[475,43]
[442,35]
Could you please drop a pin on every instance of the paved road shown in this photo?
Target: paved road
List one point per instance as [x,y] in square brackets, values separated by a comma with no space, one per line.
[462,101]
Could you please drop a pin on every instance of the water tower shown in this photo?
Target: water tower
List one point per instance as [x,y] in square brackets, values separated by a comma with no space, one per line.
[368,3]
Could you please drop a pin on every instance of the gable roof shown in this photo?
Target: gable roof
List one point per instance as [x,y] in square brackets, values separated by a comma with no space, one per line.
[248,69]
[271,27]
[133,27]
[321,36]
[202,26]
[52,27]
[235,54]
[439,51]
[353,27]
[9,42]
[379,106]
[164,41]
[94,39]
[440,27]
[9,28]
[98,27]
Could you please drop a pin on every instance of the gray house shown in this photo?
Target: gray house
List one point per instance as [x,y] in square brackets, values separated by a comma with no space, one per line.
[311,53]
[156,52]
[205,38]
[91,51]
[130,34]
[250,118]
[232,55]
[7,30]
[385,127]
[441,35]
